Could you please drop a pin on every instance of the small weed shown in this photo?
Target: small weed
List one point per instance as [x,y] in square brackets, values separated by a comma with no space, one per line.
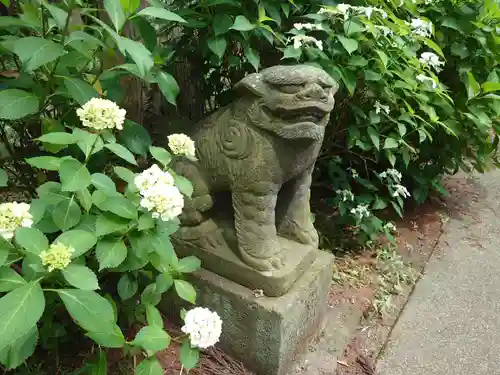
[349,271]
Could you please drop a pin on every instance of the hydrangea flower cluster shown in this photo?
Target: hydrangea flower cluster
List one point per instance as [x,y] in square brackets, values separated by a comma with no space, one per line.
[347,10]
[57,257]
[432,60]
[181,144]
[13,216]
[423,78]
[346,195]
[381,108]
[100,114]
[300,40]
[421,27]
[203,326]
[361,211]
[400,191]
[308,26]
[158,193]
[392,174]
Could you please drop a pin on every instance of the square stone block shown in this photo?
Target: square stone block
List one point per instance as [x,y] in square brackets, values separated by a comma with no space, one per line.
[266,333]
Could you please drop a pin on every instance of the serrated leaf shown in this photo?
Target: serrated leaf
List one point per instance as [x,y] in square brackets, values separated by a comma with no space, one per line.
[108,223]
[35,51]
[349,44]
[241,23]
[217,45]
[188,264]
[185,186]
[84,198]
[10,279]
[252,57]
[110,253]
[185,290]
[154,317]
[80,240]
[20,310]
[22,348]
[16,104]
[164,282]
[390,143]
[121,152]
[161,155]
[291,52]
[80,90]
[221,23]
[50,163]
[104,183]
[120,206]
[161,13]
[58,138]
[32,240]
[127,287]
[146,221]
[135,138]
[125,174]
[89,143]
[91,311]
[66,214]
[74,175]
[80,277]
[188,356]
[58,14]
[109,339]
[152,338]
[150,366]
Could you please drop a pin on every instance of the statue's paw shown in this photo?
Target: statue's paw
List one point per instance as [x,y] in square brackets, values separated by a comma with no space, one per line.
[306,236]
[274,261]
[191,218]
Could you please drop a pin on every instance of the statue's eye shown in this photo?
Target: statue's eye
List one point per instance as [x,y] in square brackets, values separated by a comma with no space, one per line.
[290,89]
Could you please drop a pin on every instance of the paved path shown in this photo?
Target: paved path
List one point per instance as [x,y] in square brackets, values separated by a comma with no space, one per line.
[451,324]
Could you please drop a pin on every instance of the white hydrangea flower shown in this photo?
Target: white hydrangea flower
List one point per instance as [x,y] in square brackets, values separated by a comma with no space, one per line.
[423,78]
[390,227]
[57,257]
[181,144]
[384,30]
[347,195]
[307,26]
[158,193]
[400,191]
[354,173]
[380,107]
[392,173]
[361,211]
[421,27]
[300,40]
[203,326]
[13,216]
[101,114]
[431,59]
[347,10]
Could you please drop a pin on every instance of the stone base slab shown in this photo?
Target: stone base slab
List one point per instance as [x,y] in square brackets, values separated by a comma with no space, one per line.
[266,333]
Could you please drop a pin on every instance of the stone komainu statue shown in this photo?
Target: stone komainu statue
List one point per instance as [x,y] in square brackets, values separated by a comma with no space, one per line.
[261,150]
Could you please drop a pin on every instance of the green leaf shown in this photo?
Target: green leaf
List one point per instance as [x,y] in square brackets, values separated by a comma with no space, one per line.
[352,27]
[120,206]
[108,339]
[252,57]
[350,45]
[357,61]
[125,174]
[108,223]
[370,75]
[101,367]
[20,310]
[168,86]
[185,186]
[66,214]
[74,175]
[185,290]
[80,90]
[135,138]
[80,277]
[431,44]
[20,349]
[59,15]
[10,279]
[91,311]
[145,222]
[130,6]
[390,143]
[188,356]
[121,152]
[84,198]
[4,179]
[147,32]
[150,366]
[161,13]
[110,253]
[141,56]
[127,287]
[80,240]
[154,317]
[292,53]
[6,248]
[241,23]
[150,295]
[161,155]
[16,104]
[491,86]
[104,183]
[116,13]
[32,240]
[374,136]
[473,88]
[221,23]
[89,143]
[152,338]
[58,138]
[217,45]
[35,52]
[50,163]
[383,57]
[188,264]
[164,282]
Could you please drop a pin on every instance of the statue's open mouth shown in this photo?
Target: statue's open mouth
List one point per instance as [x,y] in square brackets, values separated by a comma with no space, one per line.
[298,115]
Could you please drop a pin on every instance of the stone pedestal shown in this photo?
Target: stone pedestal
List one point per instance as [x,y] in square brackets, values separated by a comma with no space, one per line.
[266,333]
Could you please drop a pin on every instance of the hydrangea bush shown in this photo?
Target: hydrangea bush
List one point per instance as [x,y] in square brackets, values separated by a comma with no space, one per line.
[91,253]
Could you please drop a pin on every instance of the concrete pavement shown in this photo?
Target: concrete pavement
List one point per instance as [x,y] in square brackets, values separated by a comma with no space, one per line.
[451,324]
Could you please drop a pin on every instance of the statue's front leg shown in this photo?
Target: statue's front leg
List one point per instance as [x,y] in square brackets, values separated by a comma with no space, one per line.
[293,215]
[254,215]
